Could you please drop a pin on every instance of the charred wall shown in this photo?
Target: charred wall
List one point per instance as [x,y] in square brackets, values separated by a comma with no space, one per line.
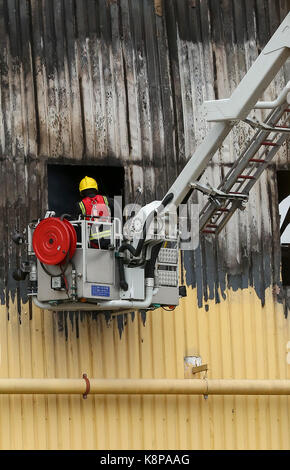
[110,82]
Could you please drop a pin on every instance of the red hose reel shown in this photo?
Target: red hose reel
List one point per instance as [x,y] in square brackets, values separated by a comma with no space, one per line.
[53,240]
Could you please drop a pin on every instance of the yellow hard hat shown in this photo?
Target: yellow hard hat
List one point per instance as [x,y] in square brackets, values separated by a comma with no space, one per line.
[88,183]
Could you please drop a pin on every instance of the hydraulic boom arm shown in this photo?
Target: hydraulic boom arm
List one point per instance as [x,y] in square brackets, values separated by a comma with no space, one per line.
[237,107]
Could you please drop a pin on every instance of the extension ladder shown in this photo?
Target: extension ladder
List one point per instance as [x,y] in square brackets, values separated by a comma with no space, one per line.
[233,191]
[246,170]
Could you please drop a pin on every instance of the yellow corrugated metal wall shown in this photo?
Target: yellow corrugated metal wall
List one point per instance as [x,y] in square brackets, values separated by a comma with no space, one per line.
[237,338]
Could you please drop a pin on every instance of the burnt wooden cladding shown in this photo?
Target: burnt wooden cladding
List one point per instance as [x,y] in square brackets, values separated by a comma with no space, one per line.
[121,82]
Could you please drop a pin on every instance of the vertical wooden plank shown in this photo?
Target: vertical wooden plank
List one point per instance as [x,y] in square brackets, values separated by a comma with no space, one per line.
[173,53]
[15,161]
[187,93]
[51,80]
[28,95]
[3,73]
[86,91]
[6,149]
[121,125]
[168,143]
[132,118]
[107,71]
[156,115]
[62,81]
[39,76]
[138,10]
[97,46]
[73,91]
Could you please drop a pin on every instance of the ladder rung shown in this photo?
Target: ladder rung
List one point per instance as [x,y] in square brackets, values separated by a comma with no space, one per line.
[223,209]
[211,225]
[208,231]
[234,192]
[283,127]
[246,177]
[268,142]
[257,160]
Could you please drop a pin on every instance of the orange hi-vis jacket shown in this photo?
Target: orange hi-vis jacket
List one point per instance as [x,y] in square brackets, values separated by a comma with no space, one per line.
[96,208]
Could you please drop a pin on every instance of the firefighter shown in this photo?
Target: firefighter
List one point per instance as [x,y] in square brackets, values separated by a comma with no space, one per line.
[95,207]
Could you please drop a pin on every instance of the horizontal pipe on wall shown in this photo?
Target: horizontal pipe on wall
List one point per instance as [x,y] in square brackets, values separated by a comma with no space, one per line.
[145,386]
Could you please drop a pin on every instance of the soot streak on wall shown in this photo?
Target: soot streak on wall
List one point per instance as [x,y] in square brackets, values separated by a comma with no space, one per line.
[99,81]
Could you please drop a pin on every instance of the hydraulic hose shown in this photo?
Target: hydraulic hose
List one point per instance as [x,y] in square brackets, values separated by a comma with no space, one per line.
[65,216]
[150,265]
[62,268]
[136,252]
[123,283]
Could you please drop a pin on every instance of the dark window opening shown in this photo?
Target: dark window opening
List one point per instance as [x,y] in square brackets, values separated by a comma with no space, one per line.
[64,180]
[283,181]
